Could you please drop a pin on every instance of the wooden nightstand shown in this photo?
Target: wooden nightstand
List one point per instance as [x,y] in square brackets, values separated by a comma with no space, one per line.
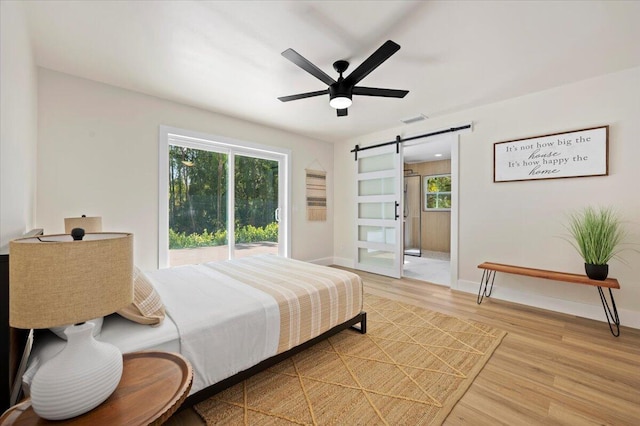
[153,386]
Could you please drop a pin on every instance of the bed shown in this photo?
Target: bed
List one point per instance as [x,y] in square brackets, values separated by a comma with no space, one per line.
[279,306]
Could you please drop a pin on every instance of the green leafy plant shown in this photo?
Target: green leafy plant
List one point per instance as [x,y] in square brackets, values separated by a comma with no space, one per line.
[244,234]
[597,234]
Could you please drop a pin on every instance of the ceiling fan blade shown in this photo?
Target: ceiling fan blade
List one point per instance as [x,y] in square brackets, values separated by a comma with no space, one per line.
[304,63]
[374,91]
[303,95]
[383,53]
[342,112]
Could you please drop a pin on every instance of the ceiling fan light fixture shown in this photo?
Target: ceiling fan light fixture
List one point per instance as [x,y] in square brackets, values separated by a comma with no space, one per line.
[340,102]
[341,90]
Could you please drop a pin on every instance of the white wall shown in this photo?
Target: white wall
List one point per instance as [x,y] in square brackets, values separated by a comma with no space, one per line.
[98,155]
[521,223]
[18,125]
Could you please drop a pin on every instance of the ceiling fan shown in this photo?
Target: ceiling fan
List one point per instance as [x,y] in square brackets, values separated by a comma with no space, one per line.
[341,91]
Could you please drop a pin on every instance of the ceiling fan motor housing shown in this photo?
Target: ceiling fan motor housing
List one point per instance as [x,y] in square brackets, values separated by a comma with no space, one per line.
[340,90]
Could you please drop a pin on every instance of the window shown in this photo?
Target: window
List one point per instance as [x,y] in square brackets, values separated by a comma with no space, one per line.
[437,192]
[220,199]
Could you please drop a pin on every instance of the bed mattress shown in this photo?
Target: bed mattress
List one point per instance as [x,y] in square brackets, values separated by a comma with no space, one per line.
[233,314]
[225,317]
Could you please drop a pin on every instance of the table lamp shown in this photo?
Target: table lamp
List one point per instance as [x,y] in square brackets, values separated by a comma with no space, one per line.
[55,280]
[89,224]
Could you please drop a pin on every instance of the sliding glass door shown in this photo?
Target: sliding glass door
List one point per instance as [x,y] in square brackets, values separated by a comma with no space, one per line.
[256,206]
[198,219]
[224,202]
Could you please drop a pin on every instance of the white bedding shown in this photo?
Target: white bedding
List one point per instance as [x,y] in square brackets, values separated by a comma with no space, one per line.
[225,326]
[132,337]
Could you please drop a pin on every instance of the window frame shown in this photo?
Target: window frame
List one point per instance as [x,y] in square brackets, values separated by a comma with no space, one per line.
[426,193]
[181,137]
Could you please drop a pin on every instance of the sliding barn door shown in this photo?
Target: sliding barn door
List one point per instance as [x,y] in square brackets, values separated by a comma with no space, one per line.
[379,211]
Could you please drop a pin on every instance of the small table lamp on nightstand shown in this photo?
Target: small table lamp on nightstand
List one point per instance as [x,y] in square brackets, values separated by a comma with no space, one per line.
[56,281]
[89,224]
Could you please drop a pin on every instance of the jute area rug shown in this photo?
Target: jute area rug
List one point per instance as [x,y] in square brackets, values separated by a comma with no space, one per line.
[411,368]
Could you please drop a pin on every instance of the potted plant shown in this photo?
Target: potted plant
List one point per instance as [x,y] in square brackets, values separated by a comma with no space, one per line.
[597,235]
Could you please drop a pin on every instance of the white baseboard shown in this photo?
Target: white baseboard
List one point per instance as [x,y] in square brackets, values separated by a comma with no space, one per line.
[345,262]
[326,261]
[596,312]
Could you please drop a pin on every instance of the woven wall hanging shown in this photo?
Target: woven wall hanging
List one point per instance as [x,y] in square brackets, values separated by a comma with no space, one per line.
[316,181]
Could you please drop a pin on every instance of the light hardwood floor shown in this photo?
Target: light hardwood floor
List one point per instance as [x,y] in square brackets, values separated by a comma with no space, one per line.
[551,368]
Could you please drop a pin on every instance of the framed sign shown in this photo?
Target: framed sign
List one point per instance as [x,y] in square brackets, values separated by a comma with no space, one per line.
[558,155]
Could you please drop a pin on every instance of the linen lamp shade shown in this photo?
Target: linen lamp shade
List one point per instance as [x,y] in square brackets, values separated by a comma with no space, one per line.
[89,224]
[56,281]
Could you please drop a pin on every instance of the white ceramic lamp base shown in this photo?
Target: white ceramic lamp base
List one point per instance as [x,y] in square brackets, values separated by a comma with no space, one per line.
[79,378]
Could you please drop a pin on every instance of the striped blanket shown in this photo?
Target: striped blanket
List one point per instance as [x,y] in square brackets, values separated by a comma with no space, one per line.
[312,299]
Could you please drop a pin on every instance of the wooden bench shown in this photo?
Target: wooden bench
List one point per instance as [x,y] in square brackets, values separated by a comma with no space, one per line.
[489,276]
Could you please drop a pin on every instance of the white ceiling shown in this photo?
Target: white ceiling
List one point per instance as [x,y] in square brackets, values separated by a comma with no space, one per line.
[224,56]
[431,149]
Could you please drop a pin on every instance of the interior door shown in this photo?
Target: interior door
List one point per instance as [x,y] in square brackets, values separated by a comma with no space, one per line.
[379,210]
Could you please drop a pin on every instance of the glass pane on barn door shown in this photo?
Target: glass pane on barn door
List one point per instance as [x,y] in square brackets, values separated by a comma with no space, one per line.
[378,221]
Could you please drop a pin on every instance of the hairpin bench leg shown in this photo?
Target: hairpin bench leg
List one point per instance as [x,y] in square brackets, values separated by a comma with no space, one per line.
[612,315]
[487,275]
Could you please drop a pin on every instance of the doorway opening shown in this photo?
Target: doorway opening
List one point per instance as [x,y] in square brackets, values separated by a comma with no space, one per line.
[429,208]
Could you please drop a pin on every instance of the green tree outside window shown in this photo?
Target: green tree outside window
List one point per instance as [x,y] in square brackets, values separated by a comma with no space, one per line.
[198,198]
[437,192]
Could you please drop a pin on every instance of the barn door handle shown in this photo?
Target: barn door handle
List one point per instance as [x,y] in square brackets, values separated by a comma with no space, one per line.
[397,215]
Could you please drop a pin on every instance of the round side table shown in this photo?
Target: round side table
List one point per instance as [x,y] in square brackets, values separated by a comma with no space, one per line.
[153,386]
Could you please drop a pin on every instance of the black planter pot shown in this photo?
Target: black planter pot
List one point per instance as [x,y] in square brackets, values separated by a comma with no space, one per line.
[596,272]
